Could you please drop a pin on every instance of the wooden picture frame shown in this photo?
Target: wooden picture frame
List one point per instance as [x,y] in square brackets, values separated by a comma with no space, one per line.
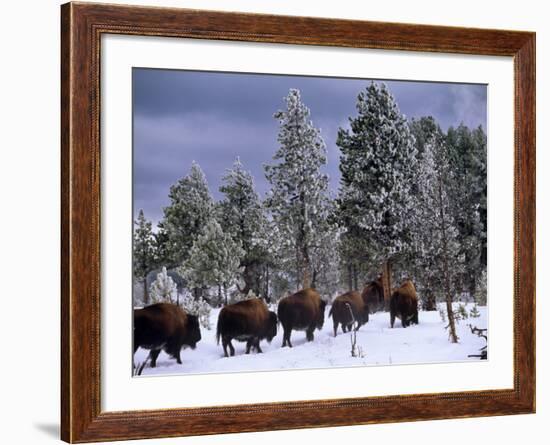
[82,25]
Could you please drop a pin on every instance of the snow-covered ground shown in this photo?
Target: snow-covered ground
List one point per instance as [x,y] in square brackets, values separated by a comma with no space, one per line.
[380,345]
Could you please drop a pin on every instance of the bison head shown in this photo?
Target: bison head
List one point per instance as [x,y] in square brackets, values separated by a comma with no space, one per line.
[271,330]
[193,331]
[321,317]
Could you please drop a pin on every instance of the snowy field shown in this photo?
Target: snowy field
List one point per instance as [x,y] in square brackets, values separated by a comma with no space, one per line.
[426,342]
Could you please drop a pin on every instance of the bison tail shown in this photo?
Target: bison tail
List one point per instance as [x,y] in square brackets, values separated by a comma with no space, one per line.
[218,329]
[330,312]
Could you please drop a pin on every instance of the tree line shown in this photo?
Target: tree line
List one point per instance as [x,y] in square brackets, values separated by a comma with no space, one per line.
[412,203]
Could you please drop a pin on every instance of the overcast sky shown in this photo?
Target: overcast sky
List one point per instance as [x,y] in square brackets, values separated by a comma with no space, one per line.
[211,118]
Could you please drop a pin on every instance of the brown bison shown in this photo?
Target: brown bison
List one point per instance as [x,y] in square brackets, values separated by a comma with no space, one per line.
[304,310]
[247,320]
[404,304]
[373,296]
[348,309]
[165,326]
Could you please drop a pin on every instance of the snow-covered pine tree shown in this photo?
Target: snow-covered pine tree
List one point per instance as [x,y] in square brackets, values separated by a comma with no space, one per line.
[161,247]
[199,307]
[242,216]
[436,234]
[468,157]
[325,254]
[191,208]
[163,289]
[481,290]
[357,259]
[143,252]
[239,296]
[474,312]
[378,163]
[299,189]
[214,260]
[425,130]
[480,171]
[280,277]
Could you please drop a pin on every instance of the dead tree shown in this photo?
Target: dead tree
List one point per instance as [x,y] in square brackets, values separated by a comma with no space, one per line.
[483,334]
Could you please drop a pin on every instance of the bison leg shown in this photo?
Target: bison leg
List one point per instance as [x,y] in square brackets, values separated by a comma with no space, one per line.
[392,319]
[335,323]
[415,318]
[257,345]
[177,356]
[404,321]
[231,348]
[309,334]
[154,354]
[249,345]
[173,349]
[287,337]
[225,341]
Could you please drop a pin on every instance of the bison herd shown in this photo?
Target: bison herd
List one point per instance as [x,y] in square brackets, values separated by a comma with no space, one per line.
[167,327]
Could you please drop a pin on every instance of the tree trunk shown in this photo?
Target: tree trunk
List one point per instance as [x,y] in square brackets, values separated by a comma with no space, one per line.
[473,289]
[145,292]
[314,279]
[302,245]
[298,269]
[267,283]
[306,281]
[387,283]
[448,296]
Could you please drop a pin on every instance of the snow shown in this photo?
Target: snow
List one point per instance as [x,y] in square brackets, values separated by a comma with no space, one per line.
[426,342]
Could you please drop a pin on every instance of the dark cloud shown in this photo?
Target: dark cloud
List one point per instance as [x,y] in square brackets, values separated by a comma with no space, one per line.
[211,118]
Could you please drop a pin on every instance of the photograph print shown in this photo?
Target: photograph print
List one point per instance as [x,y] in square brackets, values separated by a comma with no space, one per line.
[288,222]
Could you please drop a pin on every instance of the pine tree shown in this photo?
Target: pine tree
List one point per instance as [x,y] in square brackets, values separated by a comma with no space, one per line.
[198,307]
[191,208]
[377,162]
[436,234]
[242,216]
[214,260]
[480,194]
[425,130]
[243,297]
[163,289]
[160,248]
[474,312]
[143,252]
[467,155]
[481,290]
[299,189]
[325,258]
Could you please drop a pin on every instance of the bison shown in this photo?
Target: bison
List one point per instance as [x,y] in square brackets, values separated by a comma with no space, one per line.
[373,296]
[404,304]
[247,320]
[304,310]
[165,326]
[348,309]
